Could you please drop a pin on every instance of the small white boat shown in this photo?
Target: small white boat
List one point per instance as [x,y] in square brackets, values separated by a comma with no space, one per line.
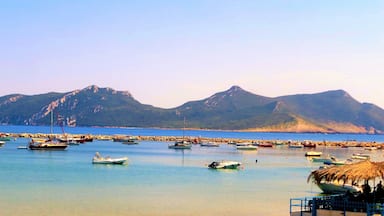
[22,147]
[224,164]
[313,154]
[98,159]
[209,144]
[360,156]
[2,143]
[246,147]
[338,188]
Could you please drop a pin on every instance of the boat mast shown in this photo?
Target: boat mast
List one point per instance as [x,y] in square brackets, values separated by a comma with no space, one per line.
[51,122]
[184,128]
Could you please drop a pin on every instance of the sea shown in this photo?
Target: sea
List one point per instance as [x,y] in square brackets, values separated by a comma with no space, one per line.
[158,180]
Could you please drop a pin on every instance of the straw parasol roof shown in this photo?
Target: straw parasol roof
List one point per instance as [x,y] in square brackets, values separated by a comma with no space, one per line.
[364,170]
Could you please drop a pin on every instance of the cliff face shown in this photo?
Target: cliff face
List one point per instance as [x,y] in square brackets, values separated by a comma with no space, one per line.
[234,109]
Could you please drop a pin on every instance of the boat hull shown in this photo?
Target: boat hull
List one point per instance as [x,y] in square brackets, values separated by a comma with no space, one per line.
[224,165]
[332,188]
[48,147]
[111,161]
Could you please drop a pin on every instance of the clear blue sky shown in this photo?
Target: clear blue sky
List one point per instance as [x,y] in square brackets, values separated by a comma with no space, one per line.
[169,52]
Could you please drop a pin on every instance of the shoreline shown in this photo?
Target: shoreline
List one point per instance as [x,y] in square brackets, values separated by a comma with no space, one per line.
[199,140]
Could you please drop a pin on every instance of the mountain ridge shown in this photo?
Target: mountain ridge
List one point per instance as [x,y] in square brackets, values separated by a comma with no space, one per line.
[333,111]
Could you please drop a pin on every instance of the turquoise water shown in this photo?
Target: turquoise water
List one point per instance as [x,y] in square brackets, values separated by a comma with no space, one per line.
[157,180]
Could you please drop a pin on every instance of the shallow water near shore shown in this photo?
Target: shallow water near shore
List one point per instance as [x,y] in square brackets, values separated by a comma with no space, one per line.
[157,180]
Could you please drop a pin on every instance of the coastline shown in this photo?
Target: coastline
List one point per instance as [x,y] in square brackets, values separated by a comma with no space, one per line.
[198,140]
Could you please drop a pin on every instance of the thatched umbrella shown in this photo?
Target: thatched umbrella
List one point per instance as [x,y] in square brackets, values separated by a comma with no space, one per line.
[365,170]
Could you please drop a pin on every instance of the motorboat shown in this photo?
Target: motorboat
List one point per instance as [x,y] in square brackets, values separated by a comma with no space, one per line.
[335,161]
[360,156]
[98,159]
[181,145]
[224,164]
[338,188]
[246,147]
[313,154]
[308,144]
[2,143]
[265,144]
[295,145]
[126,139]
[370,148]
[325,160]
[209,144]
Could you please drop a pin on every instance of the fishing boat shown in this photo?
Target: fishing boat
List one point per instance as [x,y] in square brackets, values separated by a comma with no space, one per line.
[47,144]
[224,164]
[98,159]
[338,188]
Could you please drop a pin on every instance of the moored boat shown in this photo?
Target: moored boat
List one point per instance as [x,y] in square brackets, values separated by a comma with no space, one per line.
[308,144]
[181,145]
[209,144]
[224,164]
[360,156]
[98,159]
[2,143]
[125,139]
[265,144]
[46,145]
[313,154]
[338,188]
[246,147]
[295,145]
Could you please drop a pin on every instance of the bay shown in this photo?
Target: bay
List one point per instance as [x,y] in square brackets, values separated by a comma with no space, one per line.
[158,180]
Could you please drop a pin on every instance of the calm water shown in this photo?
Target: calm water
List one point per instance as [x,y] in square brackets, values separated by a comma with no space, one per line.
[158,180]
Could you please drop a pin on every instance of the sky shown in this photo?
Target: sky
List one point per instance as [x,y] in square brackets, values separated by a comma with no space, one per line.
[168,52]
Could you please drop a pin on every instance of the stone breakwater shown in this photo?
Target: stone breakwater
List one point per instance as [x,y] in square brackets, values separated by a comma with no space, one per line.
[197,140]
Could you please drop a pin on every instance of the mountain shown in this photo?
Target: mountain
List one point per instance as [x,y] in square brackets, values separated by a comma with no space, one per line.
[234,109]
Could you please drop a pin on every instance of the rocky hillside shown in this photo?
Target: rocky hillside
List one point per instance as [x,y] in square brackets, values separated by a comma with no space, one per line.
[234,109]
